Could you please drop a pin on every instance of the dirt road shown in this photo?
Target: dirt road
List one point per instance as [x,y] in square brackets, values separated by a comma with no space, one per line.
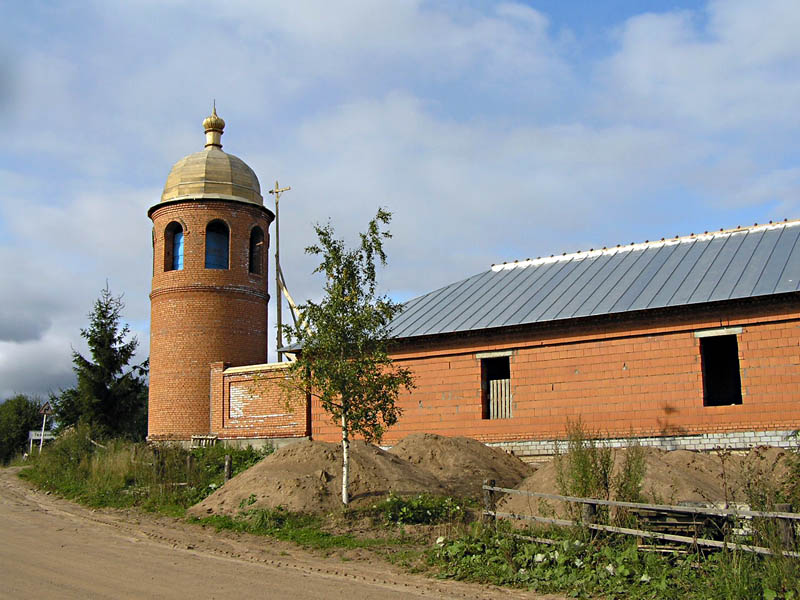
[52,548]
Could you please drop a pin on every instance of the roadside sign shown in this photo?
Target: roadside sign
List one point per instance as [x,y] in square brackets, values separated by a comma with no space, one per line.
[46,409]
[39,436]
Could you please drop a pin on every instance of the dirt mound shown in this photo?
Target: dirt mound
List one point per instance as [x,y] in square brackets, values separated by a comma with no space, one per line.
[671,477]
[763,471]
[307,477]
[461,464]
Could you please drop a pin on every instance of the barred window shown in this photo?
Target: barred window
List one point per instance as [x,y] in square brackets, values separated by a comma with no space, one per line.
[496,388]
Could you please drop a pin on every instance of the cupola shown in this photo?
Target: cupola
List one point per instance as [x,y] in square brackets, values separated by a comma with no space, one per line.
[212,173]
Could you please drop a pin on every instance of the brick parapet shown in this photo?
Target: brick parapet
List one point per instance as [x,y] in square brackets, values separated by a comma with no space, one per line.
[253,403]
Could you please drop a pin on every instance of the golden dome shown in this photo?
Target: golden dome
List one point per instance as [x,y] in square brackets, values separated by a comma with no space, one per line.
[212,173]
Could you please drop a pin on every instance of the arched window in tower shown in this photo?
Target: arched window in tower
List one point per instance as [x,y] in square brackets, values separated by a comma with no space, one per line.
[173,247]
[217,237]
[257,251]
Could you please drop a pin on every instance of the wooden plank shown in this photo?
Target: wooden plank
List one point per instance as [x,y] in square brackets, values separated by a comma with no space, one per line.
[732,512]
[645,534]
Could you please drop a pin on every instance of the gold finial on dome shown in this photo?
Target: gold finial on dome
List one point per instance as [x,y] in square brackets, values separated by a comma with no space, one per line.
[213,126]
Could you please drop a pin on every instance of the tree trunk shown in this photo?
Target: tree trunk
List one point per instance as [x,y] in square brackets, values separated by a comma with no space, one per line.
[345,461]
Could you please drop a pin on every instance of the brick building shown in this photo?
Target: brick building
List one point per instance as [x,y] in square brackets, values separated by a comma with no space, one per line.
[691,342]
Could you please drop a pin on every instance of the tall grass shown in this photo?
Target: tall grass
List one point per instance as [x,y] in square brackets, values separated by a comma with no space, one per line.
[587,470]
[120,473]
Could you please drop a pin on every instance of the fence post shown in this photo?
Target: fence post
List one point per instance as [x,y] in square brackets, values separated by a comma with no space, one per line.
[588,513]
[785,527]
[189,463]
[488,501]
[228,467]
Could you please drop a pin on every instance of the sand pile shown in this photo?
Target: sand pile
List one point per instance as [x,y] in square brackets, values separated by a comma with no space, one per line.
[307,477]
[763,468]
[671,477]
[461,464]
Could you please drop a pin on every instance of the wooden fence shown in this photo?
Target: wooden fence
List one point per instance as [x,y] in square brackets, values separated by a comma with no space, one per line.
[786,520]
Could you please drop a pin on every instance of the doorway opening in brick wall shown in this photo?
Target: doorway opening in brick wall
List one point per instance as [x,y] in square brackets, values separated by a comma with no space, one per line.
[722,383]
[496,387]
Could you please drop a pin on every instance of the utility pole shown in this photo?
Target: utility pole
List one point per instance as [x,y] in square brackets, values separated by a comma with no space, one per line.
[279,296]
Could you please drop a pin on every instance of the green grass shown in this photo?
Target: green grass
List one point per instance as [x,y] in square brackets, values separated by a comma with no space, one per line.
[303,529]
[120,474]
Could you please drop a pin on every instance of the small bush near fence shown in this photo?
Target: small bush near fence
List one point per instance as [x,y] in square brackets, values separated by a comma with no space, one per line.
[120,473]
[422,509]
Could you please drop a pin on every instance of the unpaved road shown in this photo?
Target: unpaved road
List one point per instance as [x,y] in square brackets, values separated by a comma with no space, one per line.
[52,548]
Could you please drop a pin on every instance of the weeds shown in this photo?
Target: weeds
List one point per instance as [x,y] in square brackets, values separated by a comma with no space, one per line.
[613,566]
[120,474]
[587,471]
[610,566]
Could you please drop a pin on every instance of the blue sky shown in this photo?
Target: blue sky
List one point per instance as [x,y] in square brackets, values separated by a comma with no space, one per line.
[492,130]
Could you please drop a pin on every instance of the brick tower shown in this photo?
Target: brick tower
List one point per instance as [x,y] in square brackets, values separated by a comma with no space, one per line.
[209,296]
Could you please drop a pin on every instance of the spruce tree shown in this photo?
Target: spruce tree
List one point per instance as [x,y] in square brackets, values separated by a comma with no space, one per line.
[111,394]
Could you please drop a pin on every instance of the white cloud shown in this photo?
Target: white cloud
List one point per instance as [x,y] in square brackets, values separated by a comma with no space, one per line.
[489,136]
[732,67]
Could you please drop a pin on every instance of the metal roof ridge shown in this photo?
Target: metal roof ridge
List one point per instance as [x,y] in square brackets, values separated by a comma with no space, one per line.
[637,246]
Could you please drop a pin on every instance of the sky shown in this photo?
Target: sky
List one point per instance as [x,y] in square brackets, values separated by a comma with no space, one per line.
[493,131]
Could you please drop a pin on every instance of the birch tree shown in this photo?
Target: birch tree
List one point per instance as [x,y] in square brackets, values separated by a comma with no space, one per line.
[343,338]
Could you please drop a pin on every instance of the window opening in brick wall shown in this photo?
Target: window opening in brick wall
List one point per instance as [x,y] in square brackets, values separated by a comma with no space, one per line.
[217,237]
[173,247]
[722,384]
[496,388]
[256,251]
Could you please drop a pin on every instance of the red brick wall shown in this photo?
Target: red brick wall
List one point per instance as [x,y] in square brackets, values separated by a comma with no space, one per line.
[250,403]
[639,376]
[200,316]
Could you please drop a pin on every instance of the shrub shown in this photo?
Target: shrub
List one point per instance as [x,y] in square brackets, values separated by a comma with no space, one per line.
[422,509]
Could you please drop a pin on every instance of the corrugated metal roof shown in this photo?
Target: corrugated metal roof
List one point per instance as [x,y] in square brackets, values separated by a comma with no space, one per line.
[726,265]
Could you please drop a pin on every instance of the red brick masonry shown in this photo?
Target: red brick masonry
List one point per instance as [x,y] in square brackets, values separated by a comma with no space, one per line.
[249,402]
[199,315]
[637,376]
